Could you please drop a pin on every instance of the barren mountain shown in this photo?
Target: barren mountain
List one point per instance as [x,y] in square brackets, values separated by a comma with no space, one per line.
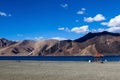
[4,42]
[105,43]
[21,48]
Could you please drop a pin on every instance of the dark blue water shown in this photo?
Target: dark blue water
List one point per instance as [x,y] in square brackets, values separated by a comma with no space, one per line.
[59,58]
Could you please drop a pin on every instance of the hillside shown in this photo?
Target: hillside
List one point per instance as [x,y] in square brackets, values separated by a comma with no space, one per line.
[105,43]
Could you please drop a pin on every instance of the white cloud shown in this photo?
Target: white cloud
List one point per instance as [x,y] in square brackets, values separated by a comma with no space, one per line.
[20,35]
[34,38]
[89,19]
[4,14]
[98,17]
[104,23]
[38,38]
[81,11]
[114,29]
[59,38]
[110,29]
[82,29]
[98,30]
[101,30]
[62,28]
[64,5]
[113,24]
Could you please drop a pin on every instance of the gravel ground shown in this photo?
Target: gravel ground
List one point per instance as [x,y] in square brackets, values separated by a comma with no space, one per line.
[53,70]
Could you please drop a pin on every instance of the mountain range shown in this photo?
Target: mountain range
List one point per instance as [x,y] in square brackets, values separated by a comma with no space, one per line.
[106,43]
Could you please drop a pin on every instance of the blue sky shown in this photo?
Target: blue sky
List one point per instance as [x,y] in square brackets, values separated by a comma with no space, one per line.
[57,19]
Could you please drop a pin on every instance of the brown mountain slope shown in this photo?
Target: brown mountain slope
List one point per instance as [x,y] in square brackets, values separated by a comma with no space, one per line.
[21,48]
[104,42]
[55,48]
[90,50]
[4,42]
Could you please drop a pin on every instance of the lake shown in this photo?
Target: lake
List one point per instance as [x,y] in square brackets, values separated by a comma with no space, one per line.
[59,58]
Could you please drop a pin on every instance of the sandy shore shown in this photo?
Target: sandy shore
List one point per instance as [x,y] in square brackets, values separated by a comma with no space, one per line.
[52,70]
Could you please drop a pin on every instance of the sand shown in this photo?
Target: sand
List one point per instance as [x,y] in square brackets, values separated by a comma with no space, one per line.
[56,70]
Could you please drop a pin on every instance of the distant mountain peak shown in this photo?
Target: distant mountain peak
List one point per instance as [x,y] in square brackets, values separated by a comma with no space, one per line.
[91,35]
[108,33]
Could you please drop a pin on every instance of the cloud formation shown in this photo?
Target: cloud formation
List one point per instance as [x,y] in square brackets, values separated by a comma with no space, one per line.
[20,35]
[64,5]
[113,24]
[59,38]
[114,29]
[97,18]
[81,29]
[38,38]
[81,11]
[110,29]
[4,14]
[62,28]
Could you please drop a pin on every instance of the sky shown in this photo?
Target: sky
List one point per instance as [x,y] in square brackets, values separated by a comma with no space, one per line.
[57,19]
